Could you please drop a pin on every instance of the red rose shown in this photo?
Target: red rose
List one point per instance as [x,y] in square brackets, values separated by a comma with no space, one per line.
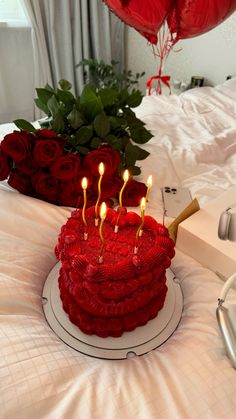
[47,152]
[72,192]
[91,199]
[110,187]
[27,166]
[70,196]
[5,165]
[20,182]
[47,134]
[105,154]
[45,185]
[78,181]
[133,193]
[17,145]
[66,167]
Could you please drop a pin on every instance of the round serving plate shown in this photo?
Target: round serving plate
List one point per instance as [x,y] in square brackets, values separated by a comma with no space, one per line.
[138,342]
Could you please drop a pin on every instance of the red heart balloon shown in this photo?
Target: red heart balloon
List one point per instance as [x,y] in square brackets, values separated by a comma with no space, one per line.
[147,16]
[190,18]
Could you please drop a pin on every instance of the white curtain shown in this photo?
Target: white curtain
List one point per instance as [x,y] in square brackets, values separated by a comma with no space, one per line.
[63,32]
[42,71]
[67,31]
[16,74]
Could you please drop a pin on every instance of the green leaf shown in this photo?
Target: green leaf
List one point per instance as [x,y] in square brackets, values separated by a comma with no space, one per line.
[113,110]
[140,153]
[115,122]
[44,95]
[71,140]
[82,150]
[95,142]
[130,154]
[140,135]
[101,125]
[24,125]
[108,96]
[132,120]
[65,85]
[41,106]
[58,124]
[124,141]
[134,99]
[123,97]
[50,88]
[75,118]
[135,170]
[65,96]
[90,103]
[133,153]
[114,142]
[53,106]
[83,135]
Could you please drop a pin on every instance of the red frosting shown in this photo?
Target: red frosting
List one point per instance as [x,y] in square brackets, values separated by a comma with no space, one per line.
[126,289]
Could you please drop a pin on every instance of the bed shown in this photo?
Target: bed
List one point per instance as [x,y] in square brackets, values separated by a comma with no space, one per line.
[189,376]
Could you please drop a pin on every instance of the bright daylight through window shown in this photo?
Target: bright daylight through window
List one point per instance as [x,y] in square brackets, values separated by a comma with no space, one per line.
[12,12]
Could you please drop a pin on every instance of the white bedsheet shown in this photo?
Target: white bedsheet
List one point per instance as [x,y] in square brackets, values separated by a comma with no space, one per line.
[194,143]
[188,377]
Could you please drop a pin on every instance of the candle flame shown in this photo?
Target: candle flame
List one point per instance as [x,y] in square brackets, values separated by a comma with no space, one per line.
[126,176]
[143,204]
[101,169]
[103,211]
[149,181]
[84,183]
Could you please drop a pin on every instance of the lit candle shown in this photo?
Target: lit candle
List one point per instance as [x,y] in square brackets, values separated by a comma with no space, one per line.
[101,173]
[149,185]
[84,185]
[103,213]
[125,179]
[139,231]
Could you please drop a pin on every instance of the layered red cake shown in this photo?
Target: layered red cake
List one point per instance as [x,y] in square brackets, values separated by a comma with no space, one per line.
[126,290]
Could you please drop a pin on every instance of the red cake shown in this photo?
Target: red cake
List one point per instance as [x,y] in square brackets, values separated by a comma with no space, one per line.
[126,290]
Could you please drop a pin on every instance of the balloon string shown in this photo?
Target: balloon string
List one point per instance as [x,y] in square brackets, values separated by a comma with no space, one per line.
[165,44]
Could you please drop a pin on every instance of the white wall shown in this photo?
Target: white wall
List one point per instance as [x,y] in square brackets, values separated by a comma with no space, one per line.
[212,55]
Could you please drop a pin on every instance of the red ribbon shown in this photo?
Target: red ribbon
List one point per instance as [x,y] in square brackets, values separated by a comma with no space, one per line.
[164,79]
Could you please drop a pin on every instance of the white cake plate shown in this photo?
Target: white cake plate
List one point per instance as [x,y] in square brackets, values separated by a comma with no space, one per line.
[138,342]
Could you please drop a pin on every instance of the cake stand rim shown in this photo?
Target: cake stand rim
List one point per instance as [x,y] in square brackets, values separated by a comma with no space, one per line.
[161,320]
[114,353]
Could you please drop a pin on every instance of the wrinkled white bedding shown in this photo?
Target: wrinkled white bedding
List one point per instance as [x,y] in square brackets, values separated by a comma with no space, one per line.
[188,377]
[194,143]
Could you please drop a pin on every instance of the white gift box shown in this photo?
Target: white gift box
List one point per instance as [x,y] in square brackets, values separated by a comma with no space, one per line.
[198,236]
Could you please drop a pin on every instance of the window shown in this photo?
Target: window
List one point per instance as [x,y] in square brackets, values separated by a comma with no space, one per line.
[12,12]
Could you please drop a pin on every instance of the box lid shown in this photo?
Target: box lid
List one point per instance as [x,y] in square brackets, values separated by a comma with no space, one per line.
[198,236]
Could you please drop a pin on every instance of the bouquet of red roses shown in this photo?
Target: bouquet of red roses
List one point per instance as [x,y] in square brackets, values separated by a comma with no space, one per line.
[37,164]
[77,134]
